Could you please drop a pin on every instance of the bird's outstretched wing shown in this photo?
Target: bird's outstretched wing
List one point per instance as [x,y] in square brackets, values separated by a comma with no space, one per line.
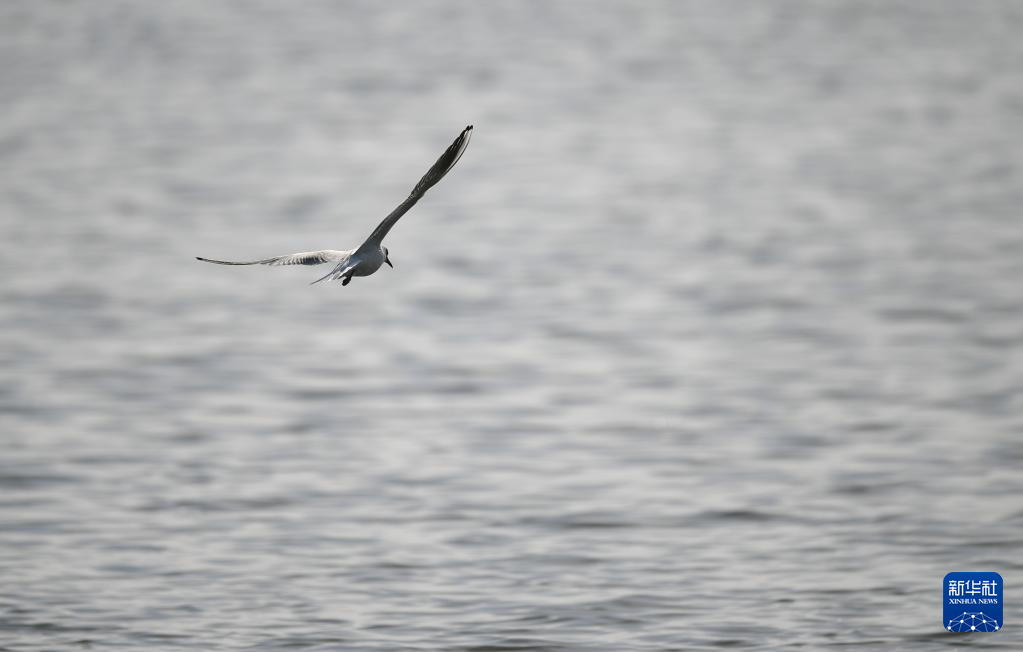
[301,258]
[446,161]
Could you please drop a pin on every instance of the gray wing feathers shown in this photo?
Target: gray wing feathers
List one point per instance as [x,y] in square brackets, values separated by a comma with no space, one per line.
[443,165]
[301,258]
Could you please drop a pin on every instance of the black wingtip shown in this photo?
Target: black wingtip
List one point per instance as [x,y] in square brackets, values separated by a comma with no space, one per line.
[468,128]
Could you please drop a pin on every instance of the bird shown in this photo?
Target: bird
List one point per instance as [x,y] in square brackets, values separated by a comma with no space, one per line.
[371,255]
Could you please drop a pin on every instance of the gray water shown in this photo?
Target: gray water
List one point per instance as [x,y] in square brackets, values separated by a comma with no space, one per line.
[711,340]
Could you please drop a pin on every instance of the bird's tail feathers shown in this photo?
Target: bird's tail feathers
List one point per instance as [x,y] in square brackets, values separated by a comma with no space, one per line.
[346,268]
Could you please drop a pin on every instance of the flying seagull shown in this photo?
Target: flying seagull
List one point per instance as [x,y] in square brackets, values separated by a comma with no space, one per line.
[371,254]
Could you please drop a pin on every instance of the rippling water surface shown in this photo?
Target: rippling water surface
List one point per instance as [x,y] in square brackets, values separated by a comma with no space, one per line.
[712,339]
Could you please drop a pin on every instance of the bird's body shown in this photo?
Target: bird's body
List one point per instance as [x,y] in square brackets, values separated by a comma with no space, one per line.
[372,254]
[368,261]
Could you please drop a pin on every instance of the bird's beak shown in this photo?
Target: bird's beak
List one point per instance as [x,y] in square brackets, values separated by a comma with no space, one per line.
[388,261]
